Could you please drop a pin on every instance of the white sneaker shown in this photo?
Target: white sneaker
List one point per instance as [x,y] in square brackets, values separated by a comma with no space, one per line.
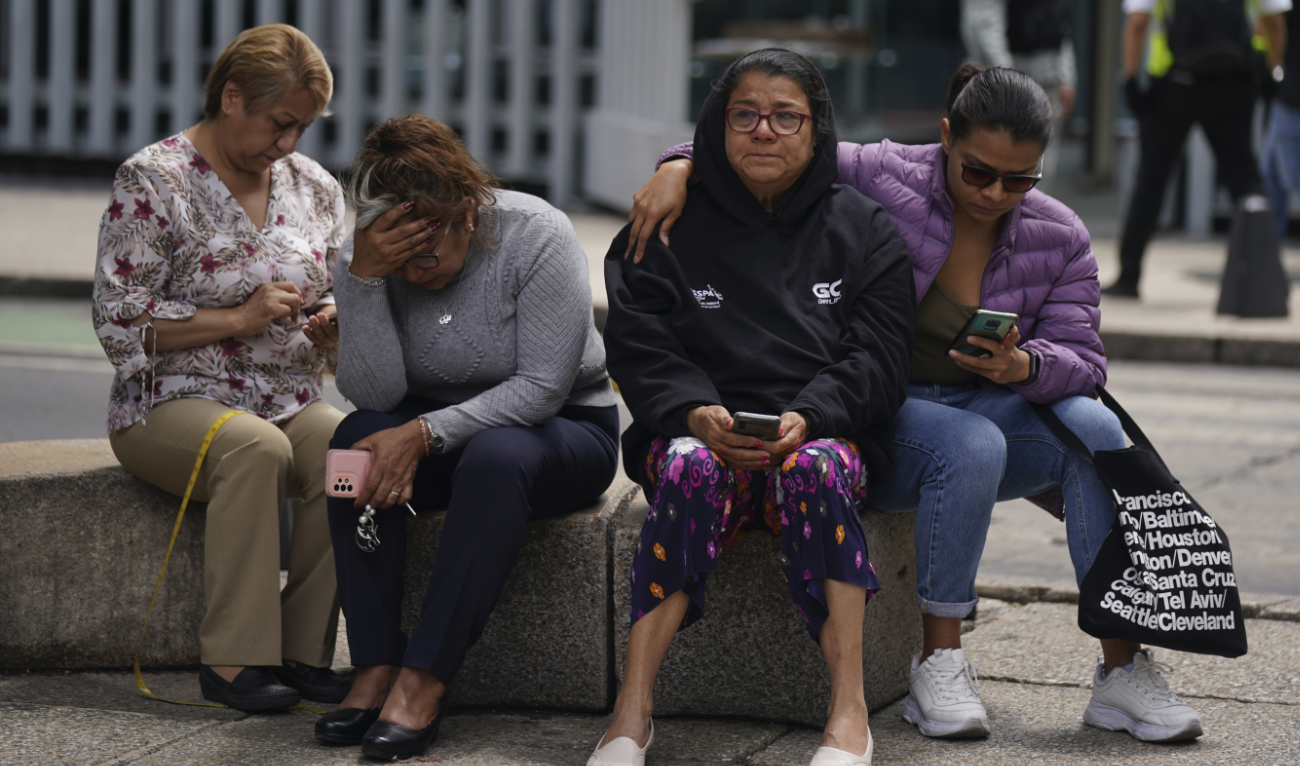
[1140,702]
[945,698]
[622,751]
[829,756]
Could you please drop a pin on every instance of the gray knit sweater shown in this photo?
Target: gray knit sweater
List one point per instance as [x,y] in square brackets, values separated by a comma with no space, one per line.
[521,343]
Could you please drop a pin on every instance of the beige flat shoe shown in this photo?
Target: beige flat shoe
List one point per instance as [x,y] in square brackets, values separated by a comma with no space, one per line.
[829,756]
[623,751]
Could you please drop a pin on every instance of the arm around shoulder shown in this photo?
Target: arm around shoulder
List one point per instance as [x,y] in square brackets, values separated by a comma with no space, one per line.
[859,164]
[658,380]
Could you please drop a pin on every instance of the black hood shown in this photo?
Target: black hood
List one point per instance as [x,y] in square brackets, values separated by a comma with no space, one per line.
[725,186]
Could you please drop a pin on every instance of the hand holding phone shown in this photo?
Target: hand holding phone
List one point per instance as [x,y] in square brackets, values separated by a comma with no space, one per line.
[993,325]
[713,425]
[346,471]
[1004,362]
[322,329]
[765,427]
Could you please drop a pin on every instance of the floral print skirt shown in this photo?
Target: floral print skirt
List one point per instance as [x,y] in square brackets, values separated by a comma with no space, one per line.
[699,507]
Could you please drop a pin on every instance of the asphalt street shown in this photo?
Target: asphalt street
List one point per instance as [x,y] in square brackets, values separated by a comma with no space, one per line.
[1231,434]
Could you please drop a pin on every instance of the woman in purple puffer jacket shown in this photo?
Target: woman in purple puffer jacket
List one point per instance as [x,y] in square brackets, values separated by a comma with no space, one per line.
[981,237]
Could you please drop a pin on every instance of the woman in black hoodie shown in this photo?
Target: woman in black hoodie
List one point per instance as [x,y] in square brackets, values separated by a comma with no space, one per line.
[783,294]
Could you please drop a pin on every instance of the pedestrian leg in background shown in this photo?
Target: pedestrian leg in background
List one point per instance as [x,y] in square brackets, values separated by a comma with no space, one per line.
[1280,163]
[1162,131]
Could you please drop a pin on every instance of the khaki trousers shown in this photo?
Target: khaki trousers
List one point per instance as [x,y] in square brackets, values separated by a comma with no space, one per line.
[251,467]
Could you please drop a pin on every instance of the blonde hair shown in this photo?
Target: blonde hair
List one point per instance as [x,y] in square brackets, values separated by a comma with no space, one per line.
[269,63]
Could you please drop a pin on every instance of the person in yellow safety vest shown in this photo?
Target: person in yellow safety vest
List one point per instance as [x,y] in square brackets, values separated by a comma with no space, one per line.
[1205,60]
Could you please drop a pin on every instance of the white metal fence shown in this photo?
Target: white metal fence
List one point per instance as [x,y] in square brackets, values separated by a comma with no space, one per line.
[102,78]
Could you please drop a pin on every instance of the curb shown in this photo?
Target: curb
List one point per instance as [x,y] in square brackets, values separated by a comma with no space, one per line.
[37,287]
[1201,350]
[1017,590]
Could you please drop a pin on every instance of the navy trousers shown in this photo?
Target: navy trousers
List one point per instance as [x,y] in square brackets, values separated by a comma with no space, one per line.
[502,479]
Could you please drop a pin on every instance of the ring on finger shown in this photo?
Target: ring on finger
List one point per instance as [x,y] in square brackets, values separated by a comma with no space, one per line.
[395,492]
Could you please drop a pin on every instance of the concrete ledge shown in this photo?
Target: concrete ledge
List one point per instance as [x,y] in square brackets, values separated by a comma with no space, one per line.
[1156,348]
[83,541]
[38,287]
[1201,349]
[751,656]
[548,643]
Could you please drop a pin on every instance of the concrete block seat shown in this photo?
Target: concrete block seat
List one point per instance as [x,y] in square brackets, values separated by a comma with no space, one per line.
[84,539]
[751,655]
[548,642]
[79,556]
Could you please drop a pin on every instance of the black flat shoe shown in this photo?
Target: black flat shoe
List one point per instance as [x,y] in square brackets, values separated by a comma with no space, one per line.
[316,684]
[253,689]
[346,726]
[390,742]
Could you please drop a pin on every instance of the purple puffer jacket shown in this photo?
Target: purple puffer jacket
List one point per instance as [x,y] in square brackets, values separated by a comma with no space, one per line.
[1042,266]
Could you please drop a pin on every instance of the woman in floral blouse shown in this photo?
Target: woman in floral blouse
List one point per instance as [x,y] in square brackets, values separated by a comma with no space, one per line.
[214,292]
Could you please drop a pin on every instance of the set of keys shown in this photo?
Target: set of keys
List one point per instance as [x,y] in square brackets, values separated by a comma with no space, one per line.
[368,529]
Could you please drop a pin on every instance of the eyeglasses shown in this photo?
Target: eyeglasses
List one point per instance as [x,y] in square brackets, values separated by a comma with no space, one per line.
[1011,183]
[782,123]
[431,261]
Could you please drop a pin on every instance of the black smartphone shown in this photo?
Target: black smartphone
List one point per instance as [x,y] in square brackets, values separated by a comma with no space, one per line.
[993,325]
[765,427]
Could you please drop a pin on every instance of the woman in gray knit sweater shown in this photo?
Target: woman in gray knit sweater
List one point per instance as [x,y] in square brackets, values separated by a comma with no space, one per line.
[468,347]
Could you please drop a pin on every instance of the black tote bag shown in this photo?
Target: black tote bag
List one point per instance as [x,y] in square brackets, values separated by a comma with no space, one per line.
[1164,574]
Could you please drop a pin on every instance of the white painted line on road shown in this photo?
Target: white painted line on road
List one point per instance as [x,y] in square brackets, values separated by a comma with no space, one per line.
[50,363]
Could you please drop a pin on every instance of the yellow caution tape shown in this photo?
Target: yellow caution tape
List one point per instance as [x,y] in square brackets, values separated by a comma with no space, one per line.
[176,528]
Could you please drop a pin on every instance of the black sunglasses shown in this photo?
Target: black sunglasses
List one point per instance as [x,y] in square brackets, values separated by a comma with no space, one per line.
[1011,183]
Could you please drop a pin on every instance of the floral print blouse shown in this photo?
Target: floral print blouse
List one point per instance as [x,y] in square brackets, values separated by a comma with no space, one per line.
[175,240]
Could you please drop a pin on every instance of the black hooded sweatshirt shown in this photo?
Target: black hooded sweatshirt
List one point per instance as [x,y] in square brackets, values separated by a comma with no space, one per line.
[808,308]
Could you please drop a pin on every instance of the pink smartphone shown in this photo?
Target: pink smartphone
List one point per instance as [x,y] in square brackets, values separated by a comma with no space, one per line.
[345,472]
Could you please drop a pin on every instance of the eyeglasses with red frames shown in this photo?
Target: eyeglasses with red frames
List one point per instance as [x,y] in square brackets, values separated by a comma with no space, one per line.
[782,123]
[1011,183]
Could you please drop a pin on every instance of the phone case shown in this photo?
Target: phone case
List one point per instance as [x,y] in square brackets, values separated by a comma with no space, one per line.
[345,472]
[758,426]
[994,325]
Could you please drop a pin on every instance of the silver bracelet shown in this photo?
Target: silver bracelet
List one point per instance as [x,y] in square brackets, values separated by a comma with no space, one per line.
[374,282]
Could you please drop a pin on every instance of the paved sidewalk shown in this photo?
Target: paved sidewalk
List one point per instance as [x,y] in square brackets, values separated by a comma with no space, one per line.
[1035,667]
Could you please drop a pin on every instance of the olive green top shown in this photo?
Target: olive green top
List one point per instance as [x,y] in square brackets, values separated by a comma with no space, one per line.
[938,320]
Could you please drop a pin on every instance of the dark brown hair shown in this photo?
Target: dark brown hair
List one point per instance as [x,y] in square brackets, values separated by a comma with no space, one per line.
[419,159]
[1000,100]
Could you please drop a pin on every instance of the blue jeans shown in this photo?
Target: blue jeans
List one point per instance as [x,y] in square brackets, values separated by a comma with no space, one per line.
[959,449]
[1280,160]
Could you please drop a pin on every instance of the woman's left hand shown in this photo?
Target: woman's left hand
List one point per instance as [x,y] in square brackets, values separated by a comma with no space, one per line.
[320,330]
[794,432]
[1008,364]
[394,455]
